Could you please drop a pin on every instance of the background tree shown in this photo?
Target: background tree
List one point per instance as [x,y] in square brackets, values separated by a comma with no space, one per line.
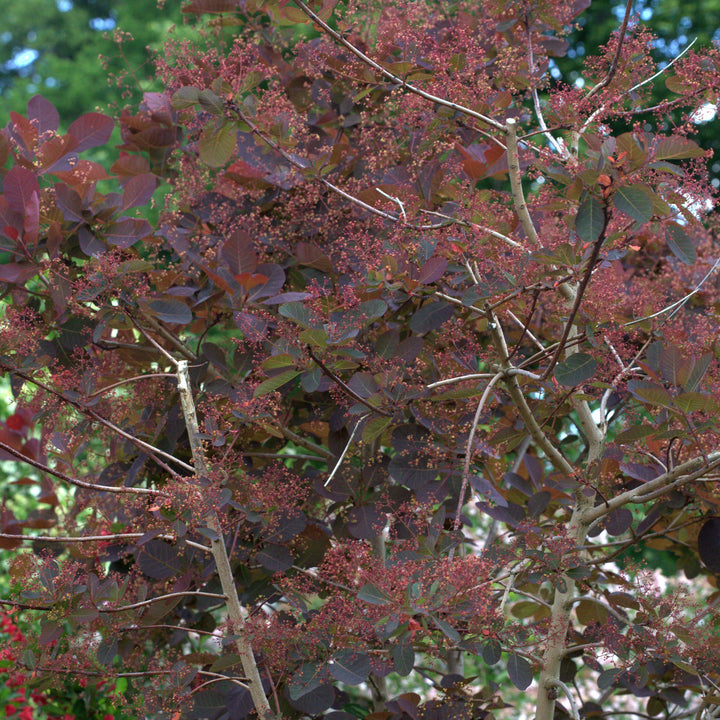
[453,351]
[70,52]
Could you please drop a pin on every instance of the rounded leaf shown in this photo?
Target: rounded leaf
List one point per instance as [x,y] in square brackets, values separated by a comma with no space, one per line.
[430,317]
[403,657]
[635,201]
[575,370]
[216,146]
[520,672]
[350,667]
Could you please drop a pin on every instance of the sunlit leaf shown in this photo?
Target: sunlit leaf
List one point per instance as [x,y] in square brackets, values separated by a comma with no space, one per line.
[635,201]
[275,382]
[676,148]
[217,145]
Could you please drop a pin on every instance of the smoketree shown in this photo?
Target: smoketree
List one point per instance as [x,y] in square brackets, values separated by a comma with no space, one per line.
[406,398]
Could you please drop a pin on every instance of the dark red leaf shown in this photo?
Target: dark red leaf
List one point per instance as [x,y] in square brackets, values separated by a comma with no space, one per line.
[18,187]
[138,191]
[91,130]
[43,113]
[127,231]
[238,253]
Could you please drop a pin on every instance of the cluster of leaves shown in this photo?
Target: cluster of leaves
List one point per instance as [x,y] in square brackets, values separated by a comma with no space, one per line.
[389,337]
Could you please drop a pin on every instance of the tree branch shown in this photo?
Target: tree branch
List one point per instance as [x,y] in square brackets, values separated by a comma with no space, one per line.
[219,552]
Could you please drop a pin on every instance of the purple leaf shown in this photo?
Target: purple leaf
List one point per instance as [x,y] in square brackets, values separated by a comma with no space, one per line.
[138,191]
[44,114]
[91,130]
[18,186]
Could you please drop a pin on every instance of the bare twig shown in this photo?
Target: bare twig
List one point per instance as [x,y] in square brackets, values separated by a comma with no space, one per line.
[80,483]
[469,451]
[614,64]
[345,450]
[344,387]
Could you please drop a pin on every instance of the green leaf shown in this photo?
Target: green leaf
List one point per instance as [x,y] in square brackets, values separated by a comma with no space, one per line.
[210,102]
[298,312]
[633,433]
[675,148]
[654,396]
[680,243]
[697,373]
[375,428]
[278,361]
[350,667]
[694,401]
[372,309]
[217,145]
[185,97]
[370,594]
[590,219]
[575,370]
[635,201]
[275,382]
[403,657]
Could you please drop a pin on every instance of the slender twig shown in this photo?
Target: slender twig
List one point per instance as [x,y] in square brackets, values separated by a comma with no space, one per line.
[579,294]
[674,477]
[161,598]
[219,552]
[136,441]
[304,442]
[344,387]
[573,706]
[217,677]
[460,378]
[469,451]
[135,378]
[560,149]
[298,165]
[152,451]
[675,307]
[79,483]
[345,450]
[543,442]
[615,61]
[474,226]
[98,538]
[663,70]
